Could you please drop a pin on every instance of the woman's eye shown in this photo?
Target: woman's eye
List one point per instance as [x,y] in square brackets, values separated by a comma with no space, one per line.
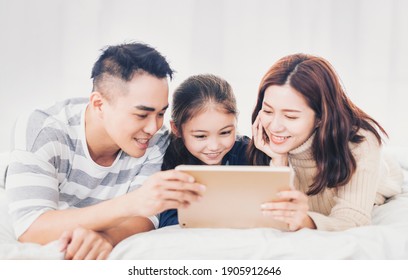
[267,111]
[199,136]
[292,117]
[226,132]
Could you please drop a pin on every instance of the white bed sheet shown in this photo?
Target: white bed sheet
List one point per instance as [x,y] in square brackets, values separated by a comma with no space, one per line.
[11,249]
[387,238]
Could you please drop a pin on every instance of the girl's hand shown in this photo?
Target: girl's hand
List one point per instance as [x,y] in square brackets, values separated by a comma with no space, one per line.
[262,143]
[291,209]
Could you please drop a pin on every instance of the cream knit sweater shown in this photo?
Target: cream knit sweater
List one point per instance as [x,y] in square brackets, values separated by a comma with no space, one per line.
[375,179]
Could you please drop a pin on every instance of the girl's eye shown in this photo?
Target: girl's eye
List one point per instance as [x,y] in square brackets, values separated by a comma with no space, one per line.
[199,136]
[226,132]
[267,111]
[292,117]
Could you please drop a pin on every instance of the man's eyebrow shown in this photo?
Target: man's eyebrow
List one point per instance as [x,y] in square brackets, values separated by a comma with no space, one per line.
[150,109]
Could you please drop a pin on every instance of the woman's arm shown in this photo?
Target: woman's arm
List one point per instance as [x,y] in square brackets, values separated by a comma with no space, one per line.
[353,202]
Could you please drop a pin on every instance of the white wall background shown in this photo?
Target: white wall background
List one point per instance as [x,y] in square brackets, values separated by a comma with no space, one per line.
[48,47]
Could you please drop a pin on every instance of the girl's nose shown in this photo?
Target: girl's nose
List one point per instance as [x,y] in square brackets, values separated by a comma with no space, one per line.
[213,144]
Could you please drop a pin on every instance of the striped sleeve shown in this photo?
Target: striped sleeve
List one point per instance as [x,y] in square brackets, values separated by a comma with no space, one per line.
[31,183]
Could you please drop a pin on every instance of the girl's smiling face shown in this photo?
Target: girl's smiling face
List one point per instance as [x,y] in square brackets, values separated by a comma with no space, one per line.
[210,135]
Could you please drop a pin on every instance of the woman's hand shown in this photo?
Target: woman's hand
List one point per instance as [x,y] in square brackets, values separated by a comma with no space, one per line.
[291,208]
[85,244]
[262,143]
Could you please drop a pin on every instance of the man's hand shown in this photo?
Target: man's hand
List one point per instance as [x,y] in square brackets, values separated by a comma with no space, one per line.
[85,244]
[161,191]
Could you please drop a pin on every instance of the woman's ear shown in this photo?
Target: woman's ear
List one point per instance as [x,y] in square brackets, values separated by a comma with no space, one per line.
[174,128]
[317,123]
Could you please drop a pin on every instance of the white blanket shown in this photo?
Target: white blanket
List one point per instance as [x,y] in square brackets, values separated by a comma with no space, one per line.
[387,238]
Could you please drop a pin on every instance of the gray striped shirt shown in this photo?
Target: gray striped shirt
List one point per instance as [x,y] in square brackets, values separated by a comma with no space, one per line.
[51,167]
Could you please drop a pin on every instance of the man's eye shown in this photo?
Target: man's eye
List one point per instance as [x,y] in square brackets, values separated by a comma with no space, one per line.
[141,116]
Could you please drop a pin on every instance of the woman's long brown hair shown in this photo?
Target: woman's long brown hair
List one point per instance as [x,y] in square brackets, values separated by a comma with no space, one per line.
[339,119]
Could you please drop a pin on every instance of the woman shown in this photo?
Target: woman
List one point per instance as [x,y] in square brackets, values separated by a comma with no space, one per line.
[304,119]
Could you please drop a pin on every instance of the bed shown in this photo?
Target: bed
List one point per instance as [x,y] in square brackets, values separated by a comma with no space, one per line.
[386,238]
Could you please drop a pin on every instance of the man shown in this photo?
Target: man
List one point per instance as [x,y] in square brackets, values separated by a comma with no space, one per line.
[79,171]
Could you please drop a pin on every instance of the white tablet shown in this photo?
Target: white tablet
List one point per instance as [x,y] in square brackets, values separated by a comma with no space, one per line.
[234,196]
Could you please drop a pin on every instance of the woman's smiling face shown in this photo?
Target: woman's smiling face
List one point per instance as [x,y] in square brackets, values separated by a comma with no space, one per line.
[287,118]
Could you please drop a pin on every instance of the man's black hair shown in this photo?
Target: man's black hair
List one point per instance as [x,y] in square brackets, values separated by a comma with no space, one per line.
[122,61]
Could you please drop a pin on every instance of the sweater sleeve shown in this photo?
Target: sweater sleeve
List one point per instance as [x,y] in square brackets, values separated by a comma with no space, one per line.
[353,202]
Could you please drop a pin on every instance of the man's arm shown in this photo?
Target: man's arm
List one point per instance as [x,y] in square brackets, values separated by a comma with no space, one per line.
[33,187]
[162,191]
[85,244]
[38,165]
[127,228]
[51,224]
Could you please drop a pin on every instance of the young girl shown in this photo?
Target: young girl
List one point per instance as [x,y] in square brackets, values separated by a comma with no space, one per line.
[203,124]
[304,119]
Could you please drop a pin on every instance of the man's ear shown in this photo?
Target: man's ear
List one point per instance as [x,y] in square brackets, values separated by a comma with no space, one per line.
[96,101]
[174,128]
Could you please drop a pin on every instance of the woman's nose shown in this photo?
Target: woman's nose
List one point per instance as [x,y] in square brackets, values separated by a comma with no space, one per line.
[276,124]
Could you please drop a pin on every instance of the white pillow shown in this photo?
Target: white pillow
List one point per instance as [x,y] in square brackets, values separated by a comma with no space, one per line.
[11,249]
[6,228]
[4,160]
[400,153]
